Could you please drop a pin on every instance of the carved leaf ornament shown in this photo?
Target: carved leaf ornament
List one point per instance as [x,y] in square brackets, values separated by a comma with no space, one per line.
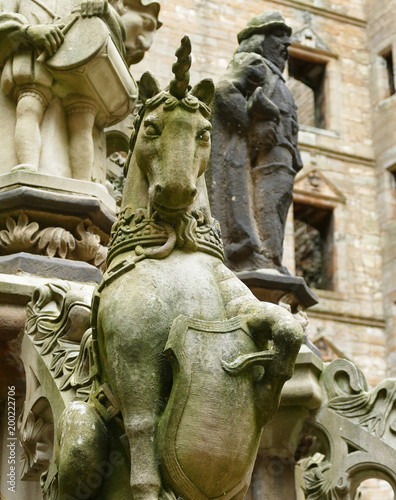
[357,430]
[19,236]
[24,236]
[35,439]
[349,396]
[319,481]
[56,242]
[58,321]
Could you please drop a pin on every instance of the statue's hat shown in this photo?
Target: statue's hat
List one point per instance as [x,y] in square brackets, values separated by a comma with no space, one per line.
[119,4]
[262,23]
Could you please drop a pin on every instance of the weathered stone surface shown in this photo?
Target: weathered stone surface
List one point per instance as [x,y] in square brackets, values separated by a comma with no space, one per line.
[45,215]
[343,152]
[49,267]
[64,78]
[274,473]
[353,434]
[261,282]
[254,153]
[172,329]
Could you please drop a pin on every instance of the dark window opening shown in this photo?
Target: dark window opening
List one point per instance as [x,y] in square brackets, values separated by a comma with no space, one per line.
[313,241]
[388,57]
[307,84]
[116,142]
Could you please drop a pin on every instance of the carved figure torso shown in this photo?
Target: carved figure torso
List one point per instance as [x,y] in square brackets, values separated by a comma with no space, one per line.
[286,130]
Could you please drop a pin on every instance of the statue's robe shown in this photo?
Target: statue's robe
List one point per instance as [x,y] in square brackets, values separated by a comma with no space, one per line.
[254,161]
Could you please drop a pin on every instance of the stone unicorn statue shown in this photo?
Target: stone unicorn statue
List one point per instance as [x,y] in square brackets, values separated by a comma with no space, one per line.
[191,363]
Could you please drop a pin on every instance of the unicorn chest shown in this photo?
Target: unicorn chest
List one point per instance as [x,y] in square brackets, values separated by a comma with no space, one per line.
[183,283]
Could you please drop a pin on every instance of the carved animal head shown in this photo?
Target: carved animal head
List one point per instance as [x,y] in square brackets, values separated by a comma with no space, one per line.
[172,138]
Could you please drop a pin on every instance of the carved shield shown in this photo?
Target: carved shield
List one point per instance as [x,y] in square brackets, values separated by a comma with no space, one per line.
[208,437]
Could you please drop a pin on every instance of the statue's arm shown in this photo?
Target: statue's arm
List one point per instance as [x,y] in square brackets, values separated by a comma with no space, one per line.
[262,107]
[231,105]
[12,36]
[17,33]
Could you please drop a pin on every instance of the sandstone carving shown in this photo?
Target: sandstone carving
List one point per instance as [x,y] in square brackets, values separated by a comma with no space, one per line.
[354,434]
[36,439]
[58,321]
[64,78]
[23,236]
[255,156]
[20,235]
[183,364]
[55,354]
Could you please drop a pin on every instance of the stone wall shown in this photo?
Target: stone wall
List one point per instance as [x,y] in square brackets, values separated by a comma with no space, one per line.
[382,42]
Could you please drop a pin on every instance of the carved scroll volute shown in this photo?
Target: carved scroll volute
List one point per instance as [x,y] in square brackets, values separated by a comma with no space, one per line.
[357,431]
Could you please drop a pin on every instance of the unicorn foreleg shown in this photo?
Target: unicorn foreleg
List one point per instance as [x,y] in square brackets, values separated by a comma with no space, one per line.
[137,376]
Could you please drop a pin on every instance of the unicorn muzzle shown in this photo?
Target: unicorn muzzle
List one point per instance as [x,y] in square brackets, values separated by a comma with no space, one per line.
[173,198]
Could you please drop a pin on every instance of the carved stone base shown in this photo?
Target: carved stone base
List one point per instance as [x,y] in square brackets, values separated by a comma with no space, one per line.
[274,472]
[55,217]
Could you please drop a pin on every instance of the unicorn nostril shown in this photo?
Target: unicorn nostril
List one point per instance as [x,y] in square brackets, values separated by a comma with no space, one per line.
[158,189]
[193,193]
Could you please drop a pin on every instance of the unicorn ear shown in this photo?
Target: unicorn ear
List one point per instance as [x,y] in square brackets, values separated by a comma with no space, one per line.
[204,90]
[148,86]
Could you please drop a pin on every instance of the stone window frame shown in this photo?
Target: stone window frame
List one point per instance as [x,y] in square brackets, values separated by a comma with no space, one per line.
[381,72]
[315,203]
[332,201]
[332,85]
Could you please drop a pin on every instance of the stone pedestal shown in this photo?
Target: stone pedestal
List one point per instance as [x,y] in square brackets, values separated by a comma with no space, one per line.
[274,473]
[47,216]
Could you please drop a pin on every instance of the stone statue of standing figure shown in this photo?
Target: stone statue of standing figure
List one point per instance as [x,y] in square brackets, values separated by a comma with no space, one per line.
[254,154]
[51,115]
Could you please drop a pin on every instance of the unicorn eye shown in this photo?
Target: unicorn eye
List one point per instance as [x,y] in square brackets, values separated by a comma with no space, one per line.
[151,129]
[204,135]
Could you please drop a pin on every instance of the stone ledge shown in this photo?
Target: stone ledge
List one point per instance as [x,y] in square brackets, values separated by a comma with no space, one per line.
[280,282]
[43,267]
[57,184]
[50,202]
